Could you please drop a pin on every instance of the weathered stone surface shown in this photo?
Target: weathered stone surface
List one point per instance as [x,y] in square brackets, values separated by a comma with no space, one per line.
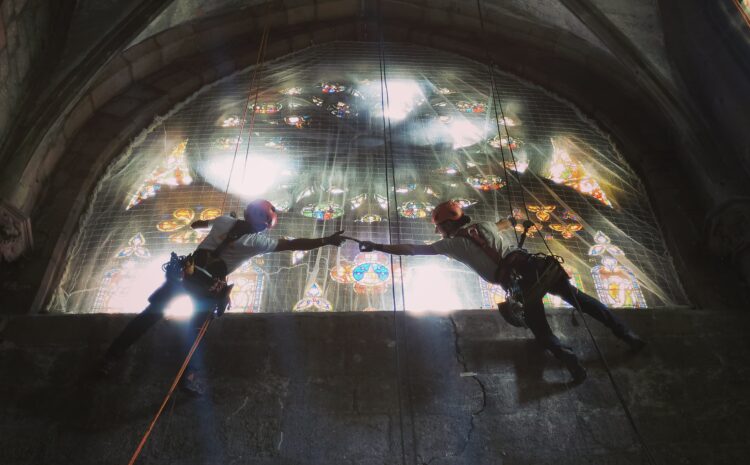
[291,389]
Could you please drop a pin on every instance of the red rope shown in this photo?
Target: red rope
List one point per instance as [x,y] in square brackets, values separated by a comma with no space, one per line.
[171,390]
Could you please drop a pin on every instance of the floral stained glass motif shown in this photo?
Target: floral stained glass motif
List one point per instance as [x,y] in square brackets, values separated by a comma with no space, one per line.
[369,273]
[323,211]
[603,245]
[313,300]
[468,107]
[179,225]
[533,229]
[411,209]
[565,169]
[486,182]
[173,171]
[566,230]
[616,285]
[136,248]
[341,110]
[331,88]
[297,121]
[542,211]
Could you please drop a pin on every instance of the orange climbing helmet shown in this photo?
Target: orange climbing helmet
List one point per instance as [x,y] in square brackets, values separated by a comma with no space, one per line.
[450,210]
[261,214]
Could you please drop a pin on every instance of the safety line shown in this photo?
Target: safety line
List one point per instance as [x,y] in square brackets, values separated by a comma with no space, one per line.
[259,62]
[388,148]
[172,388]
[258,70]
[261,54]
[615,387]
[495,102]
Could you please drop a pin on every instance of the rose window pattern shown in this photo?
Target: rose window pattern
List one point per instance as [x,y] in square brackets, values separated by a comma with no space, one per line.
[334,147]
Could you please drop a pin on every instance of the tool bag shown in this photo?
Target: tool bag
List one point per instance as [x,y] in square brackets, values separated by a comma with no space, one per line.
[203,273]
[509,275]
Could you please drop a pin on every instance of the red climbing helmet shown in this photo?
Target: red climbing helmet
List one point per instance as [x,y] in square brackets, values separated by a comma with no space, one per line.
[450,210]
[261,214]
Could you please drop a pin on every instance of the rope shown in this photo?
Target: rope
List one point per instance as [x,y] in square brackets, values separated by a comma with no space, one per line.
[176,381]
[615,387]
[495,103]
[647,451]
[258,61]
[204,327]
[388,149]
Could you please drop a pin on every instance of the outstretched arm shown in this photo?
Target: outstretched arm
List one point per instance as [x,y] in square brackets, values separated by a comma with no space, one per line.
[398,249]
[200,224]
[309,244]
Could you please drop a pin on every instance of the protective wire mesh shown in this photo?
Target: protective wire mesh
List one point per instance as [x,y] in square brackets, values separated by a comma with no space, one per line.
[316,150]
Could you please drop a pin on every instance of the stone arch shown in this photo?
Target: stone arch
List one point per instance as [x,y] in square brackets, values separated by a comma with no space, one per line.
[152,76]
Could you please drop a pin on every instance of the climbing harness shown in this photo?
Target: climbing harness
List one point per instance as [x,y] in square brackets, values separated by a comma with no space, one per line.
[199,272]
[498,107]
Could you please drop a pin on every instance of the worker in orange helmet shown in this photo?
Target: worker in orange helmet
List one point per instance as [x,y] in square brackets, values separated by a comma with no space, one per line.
[486,247]
[202,275]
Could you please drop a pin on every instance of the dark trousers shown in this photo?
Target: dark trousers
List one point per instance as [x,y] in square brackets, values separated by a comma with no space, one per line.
[537,320]
[158,302]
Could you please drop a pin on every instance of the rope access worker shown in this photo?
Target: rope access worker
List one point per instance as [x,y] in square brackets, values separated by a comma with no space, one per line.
[526,278]
[202,275]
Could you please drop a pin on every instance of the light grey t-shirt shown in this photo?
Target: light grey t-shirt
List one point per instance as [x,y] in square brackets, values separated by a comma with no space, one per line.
[470,254]
[239,251]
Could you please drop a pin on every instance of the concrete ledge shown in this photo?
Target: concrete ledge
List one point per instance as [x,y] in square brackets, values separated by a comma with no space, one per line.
[348,388]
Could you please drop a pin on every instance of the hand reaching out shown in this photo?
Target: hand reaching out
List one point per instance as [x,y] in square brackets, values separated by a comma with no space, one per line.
[367,246]
[335,239]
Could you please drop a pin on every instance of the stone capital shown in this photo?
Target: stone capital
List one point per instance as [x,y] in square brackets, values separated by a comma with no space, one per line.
[15,233]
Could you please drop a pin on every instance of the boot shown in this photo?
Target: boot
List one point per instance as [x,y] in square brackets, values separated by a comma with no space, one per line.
[635,343]
[577,371]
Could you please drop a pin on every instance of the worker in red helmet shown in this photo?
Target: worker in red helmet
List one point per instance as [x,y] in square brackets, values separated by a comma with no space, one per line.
[202,275]
[488,248]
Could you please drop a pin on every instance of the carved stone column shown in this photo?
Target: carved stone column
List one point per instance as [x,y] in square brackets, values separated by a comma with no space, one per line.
[15,233]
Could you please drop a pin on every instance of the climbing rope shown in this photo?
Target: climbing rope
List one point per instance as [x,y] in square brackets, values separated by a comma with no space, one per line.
[175,382]
[256,72]
[498,106]
[388,149]
[390,182]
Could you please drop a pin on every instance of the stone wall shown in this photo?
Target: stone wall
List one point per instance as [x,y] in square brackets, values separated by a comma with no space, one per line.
[24,26]
[324,389]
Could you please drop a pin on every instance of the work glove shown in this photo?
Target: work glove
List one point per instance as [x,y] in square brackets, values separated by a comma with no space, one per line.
[367,246]
[334,239]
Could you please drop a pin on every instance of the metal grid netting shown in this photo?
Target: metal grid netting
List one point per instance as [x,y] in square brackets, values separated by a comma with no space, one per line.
[321,148]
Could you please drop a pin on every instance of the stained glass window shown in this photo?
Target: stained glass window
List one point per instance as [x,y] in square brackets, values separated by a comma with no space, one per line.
[320,152]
